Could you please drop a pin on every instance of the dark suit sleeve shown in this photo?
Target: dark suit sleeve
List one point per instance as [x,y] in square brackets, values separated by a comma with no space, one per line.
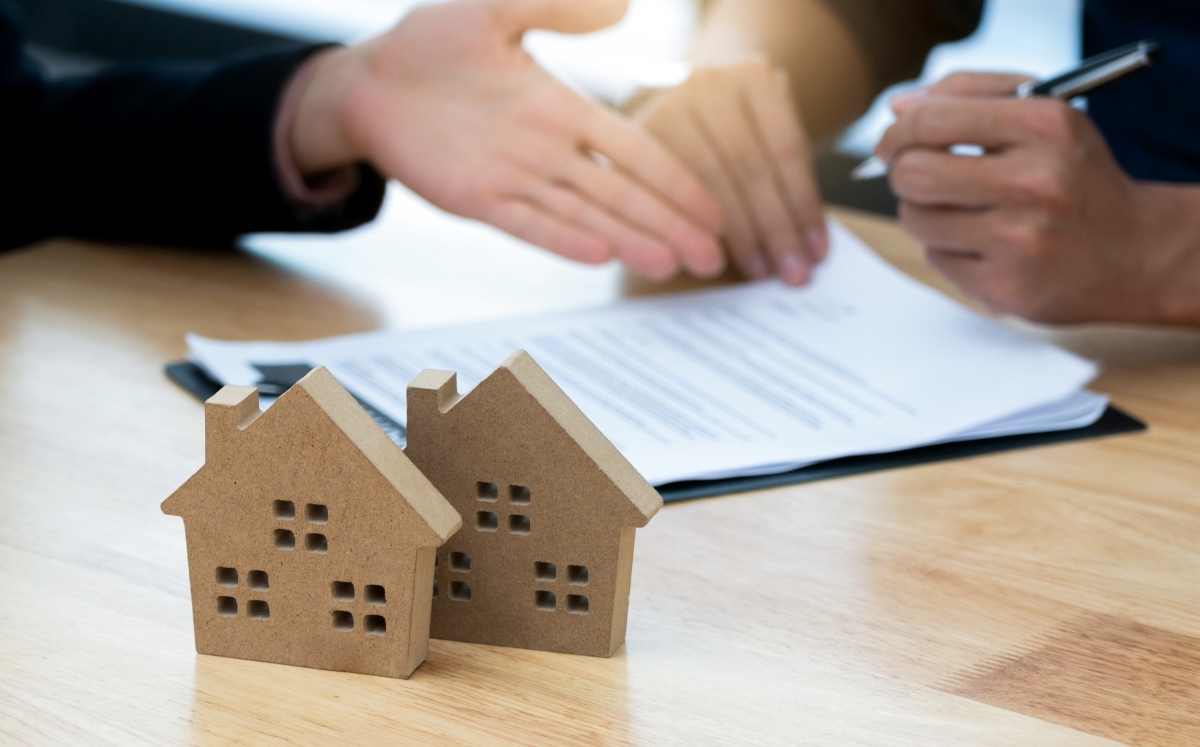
[176,153]
[898,34]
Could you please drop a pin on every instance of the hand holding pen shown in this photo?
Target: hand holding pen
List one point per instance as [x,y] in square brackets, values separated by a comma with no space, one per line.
[1045,224]
[1089,75]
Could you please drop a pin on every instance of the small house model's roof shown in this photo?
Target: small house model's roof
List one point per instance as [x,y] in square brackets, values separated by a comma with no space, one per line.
[386,457]
[529,375]
[348,416]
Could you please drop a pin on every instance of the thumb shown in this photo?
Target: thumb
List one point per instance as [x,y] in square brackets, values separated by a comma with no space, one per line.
[565,16]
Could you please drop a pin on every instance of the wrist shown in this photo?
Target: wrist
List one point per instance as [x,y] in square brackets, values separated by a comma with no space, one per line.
[1169,235]
[316,135]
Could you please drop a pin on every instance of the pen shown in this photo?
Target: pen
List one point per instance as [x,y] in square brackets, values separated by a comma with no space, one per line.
[1091,74]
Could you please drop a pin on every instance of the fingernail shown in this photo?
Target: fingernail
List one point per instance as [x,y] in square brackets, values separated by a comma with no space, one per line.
[756,268]
[818,243]
[793,269]
[719,261]
[718,267]
[902,101]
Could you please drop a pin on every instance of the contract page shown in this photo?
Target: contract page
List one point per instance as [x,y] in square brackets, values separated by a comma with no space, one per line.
[740,380]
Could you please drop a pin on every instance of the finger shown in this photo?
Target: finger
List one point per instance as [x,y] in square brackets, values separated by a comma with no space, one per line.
[730,131]
[774,113]
[626,199]
[998,285]
[960,84]
[968,272]
[977,84]
[739,232]
[529,222]
[934,177]
[566,16]
[630,202]
[968,231]
[633,151]
[942,121]
[647,255]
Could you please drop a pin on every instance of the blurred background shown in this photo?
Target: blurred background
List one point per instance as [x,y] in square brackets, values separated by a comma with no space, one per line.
[647,48]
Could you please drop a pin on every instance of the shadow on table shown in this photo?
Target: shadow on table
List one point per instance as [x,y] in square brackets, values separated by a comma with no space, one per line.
[159,294]
[462,694]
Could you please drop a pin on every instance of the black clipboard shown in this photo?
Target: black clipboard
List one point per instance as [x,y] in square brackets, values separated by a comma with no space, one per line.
[1113,422]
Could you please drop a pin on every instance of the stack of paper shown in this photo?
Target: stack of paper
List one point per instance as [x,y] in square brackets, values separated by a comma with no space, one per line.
[751,379]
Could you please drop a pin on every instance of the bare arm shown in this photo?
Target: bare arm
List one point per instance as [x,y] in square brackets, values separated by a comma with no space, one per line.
[828,70]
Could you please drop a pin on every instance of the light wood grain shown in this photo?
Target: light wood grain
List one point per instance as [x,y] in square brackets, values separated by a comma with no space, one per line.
[952,604]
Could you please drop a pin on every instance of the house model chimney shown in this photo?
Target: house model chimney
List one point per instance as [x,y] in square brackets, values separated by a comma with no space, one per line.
[433,390]
[226,414]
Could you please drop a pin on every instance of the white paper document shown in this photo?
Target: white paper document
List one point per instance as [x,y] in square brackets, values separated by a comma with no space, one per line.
[750,379]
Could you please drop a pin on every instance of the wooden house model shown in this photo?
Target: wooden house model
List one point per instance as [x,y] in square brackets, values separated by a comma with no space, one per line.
[311,537]
[549,507]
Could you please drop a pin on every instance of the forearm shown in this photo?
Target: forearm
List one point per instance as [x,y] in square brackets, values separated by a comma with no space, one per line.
[830,73]
[318,135]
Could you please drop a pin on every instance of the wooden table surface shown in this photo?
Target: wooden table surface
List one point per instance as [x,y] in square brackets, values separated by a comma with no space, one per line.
[1041,597]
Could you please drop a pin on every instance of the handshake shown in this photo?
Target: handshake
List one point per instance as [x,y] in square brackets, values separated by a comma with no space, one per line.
[449,103]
